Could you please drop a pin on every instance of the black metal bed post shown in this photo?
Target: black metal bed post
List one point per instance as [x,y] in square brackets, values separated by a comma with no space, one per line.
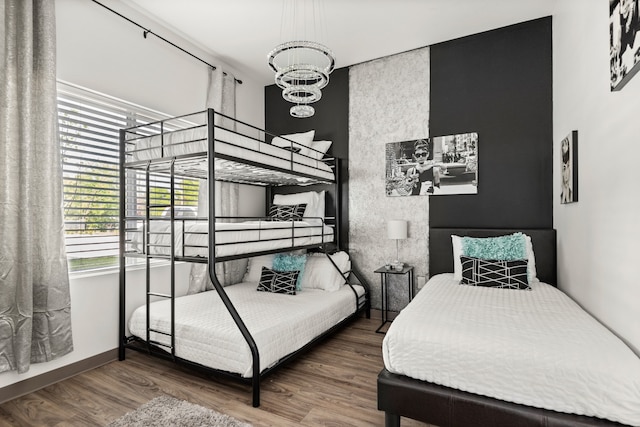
[338,192]
[255,380]
[121,239]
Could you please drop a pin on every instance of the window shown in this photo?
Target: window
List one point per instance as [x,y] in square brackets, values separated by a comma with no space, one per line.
[89,126]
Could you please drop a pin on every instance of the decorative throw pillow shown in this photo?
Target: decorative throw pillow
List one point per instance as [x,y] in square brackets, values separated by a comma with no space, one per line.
[301,140]
[315,201]
[287,212]
[290,262]
[507,248]
[494,273]
[279,282]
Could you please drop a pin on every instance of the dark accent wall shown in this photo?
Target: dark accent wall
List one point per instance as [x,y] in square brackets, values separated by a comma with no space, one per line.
[499,84]
[331,122]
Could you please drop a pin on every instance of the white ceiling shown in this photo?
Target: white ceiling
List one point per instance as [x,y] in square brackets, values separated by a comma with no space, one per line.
[242,32]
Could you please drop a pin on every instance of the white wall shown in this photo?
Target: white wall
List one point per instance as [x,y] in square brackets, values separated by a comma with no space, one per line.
[100,51]
[598,251]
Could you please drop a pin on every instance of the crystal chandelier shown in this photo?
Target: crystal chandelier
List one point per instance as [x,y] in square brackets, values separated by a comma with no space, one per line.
[302,67]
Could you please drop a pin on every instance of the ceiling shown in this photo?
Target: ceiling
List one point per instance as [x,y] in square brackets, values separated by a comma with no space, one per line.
[242,32]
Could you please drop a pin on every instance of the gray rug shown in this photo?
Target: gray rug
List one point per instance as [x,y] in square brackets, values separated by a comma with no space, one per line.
[166,411]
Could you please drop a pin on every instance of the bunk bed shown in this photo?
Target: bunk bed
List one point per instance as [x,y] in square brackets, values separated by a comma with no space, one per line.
[232,331]
[470,355]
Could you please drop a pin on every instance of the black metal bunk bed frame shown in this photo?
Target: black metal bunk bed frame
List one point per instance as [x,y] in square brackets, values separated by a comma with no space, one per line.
[156,348]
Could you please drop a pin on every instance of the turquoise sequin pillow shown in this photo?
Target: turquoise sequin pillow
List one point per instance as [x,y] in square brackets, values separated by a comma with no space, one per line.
[288,262]
[506,248]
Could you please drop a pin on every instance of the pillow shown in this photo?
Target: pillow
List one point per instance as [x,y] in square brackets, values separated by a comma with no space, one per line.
[504,274]
[287,212]
[320,273]
[303,140]
[290,262]
[279,282]
[456,243]
[316,150]
[313,199]
[254,267]
[507,248]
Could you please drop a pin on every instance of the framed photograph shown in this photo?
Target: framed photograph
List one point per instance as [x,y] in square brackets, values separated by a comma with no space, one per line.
[569,168]
[456,157]
[443,165]
[624,41]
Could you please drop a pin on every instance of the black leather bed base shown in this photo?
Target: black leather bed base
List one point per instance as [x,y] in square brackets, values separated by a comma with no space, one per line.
[447,407]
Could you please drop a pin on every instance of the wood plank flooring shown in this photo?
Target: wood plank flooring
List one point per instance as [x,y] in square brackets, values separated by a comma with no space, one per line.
[332,385]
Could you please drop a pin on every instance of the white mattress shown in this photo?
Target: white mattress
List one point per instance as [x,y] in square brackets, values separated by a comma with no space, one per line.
[260,235]
[280,324]
[536,348]
[230,143]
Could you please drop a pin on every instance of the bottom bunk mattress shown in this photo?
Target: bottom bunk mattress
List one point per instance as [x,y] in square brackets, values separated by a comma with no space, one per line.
[280,324]
[537,348]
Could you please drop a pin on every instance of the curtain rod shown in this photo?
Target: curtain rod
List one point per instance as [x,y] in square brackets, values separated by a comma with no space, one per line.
[148,31]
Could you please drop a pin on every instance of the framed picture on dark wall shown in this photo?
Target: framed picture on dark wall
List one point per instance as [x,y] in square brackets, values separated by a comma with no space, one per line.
[439,166]
[569,168]
[624,41]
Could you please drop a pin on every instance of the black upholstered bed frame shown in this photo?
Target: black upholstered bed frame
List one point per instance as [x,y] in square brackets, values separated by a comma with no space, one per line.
[446,407]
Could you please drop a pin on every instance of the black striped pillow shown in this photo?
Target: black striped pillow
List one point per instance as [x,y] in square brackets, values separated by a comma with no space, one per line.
[279,282]
[287,212]
[494,273]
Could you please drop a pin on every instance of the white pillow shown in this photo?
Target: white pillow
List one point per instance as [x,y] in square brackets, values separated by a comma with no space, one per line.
[304,139]
[254,267]
[316,150]
[456,243]
[320,273]
[313,199]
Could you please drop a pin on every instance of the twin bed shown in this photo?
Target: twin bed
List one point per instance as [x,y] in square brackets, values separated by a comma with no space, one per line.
[234,331]
[470,355]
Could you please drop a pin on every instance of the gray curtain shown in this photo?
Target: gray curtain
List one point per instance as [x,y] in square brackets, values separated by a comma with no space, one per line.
[35,317]
[221,96]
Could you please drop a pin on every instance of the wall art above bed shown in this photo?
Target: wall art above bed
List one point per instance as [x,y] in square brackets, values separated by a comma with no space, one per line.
[439,166]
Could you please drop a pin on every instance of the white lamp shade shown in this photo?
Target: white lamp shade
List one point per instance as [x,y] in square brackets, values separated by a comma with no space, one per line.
[397,229]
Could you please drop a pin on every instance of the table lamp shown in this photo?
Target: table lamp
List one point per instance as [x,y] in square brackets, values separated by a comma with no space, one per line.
[397,229]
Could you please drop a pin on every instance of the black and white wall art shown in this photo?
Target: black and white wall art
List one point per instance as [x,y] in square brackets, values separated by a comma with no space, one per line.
[438,166]
[624,41]
[410,169]
[569,168]
[456,157]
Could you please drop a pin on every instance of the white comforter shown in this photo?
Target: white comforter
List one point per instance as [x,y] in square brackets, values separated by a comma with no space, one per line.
[280,324]
[231,237]
[192,141]
[536,348]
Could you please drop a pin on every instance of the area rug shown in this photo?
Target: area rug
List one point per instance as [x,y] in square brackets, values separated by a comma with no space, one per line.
[166,411]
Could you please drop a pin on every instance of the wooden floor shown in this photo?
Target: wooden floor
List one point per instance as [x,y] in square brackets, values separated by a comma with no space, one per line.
[332,385]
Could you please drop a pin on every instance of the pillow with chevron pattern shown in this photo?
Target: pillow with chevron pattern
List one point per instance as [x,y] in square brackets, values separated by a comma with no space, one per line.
[278,282]
[494,273]
[287,212]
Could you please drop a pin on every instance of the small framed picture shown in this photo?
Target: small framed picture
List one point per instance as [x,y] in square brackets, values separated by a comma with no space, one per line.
[569,168]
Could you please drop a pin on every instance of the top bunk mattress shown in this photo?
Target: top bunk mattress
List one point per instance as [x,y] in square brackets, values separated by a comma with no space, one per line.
[280,324]
[235,149]
[536,348]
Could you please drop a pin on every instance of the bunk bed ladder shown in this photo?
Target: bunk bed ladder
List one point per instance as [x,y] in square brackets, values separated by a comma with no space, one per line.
[171,257]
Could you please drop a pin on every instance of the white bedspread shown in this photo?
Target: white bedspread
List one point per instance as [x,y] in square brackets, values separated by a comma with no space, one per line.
[192,141]
[280,324]
[536,348]
[231,237]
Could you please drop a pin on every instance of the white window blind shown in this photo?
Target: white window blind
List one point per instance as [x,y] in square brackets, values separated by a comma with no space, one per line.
[89,125]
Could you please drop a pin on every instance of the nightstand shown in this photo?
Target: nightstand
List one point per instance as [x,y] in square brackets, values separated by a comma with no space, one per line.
[384,276]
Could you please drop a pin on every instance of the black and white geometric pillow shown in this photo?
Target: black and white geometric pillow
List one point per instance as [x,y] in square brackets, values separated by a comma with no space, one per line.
[279,282]
[494,273]
[287,212]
